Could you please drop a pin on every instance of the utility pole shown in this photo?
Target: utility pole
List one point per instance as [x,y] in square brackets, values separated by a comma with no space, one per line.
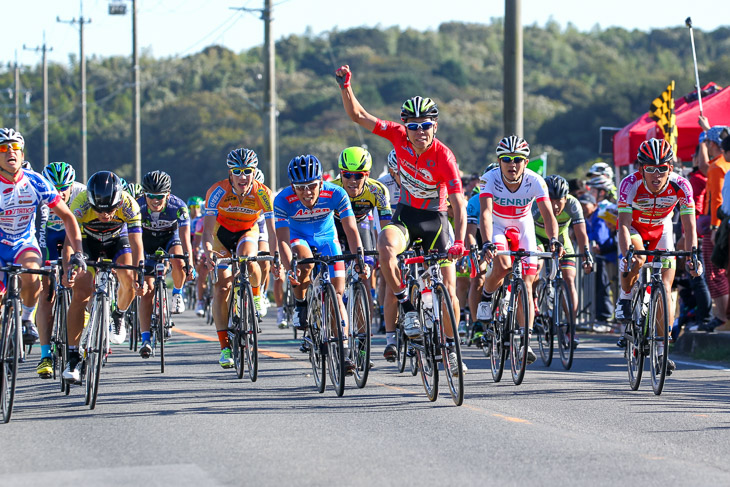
[44,49]
[513,101]
[17,93]
[269,90]
[82,60]
[137,128]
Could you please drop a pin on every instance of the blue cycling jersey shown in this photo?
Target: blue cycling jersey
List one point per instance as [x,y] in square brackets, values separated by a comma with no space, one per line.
[290,212]
[165,223]
[473,210]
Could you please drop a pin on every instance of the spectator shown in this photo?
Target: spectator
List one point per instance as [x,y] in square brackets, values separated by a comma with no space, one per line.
[577,187]
[604,248]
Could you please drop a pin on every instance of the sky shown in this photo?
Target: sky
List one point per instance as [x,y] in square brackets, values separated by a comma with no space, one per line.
[181,27]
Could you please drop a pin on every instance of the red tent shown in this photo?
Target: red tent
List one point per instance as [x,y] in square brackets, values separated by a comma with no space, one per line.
[716,107]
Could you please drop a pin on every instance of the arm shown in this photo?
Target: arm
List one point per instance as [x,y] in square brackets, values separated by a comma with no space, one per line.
[624,236]
[471,235]
[208,226]
[186,246]
[272,234]
[459,207]
[485,218]
[353,108]
[135,241]
[349,224]
[551,224]
[690,231]
[73,233]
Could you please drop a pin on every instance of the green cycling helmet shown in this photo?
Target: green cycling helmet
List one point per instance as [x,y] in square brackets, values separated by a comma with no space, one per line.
[355,159]
[195,201]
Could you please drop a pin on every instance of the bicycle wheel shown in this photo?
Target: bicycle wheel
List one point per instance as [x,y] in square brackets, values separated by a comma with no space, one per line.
[94,349]
[634,352]
[401,342]
[332,326]
[658,346]
[496,333]
[249,333]
[132,323]
[443,308]
[317,349]
[360,332]
[11,344]
[427,364]
[59,337]
[565,325]
[162,322]
[289,304]
[544,322]
[519,336]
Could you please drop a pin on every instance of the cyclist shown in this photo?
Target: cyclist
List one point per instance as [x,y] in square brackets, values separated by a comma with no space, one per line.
[232,209]
[165,225]
[429,176]
[304,215]
[262,305]
[569,215]
[506,195]
[201,270]
[647,199]
[63,177]
[135,190]
[195,208]
[23,193]
[111,228]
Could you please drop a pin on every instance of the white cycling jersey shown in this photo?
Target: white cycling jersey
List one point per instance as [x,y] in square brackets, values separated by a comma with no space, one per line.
[511,210]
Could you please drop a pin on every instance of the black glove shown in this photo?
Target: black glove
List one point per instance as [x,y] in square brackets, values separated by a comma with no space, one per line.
[77,260]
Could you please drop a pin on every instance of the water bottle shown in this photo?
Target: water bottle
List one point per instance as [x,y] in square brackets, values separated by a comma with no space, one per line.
[427,298]
[645,302]
[505,302]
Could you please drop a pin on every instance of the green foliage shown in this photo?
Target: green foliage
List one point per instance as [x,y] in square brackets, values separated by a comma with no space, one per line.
[197,108]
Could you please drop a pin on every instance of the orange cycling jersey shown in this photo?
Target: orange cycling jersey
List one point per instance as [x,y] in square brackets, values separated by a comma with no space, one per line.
[238,214]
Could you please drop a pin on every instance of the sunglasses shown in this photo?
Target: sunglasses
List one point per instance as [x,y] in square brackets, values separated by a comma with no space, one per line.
[10,145]
[515,159]
[246,171]
[653,169]
[419,126]
[157,197]
[306,187]
[63,188]
[357,176]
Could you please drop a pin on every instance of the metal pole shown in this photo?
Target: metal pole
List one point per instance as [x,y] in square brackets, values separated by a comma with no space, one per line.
[136,125]
[84,161]
[270,94]
[17,93]
[45,101]
[513,102]
[688,23]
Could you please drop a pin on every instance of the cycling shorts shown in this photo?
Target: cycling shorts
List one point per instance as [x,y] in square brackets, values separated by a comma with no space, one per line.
[365,231]
[563,238]
[521,237]
[106,249]
[432,227]
[228,241]
[324,244]
[151,245]
[665,241]
[9,255]
[54,244]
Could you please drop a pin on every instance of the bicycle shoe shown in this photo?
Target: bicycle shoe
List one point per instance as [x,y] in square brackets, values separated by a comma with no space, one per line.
[200,308]
[621,342]
[531,357]
[178,304]
[300,318]
[390,353]
[349,366]
[623,311]
[45,368]
[226,358]
[671,366]
[454,365]
[411,325]
[304,347]
[30,332]
[145,351]
[72,373]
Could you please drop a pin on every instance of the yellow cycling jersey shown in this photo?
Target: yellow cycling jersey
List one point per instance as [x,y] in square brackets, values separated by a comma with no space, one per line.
[374,195]
[126,218]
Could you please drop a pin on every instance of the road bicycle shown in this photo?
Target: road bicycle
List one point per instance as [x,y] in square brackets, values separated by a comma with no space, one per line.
[504,332]
[243,319]
[61,297]
[650,318]
[160,322]
[131,322]
[289,305]
[404,352]
[94,343]
[357,303]
[11,344]
[554,316]
[435,311]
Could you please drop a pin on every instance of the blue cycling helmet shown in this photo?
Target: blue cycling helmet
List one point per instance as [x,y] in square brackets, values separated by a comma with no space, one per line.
[305,168]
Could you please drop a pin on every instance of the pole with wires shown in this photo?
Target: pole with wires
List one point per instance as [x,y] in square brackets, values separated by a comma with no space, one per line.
[688,23]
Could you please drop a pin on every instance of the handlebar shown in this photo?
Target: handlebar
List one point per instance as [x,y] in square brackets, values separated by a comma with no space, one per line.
[693,254]
[430,258]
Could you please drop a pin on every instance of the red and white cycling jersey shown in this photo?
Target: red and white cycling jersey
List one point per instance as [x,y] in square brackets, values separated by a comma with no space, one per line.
[426,180]
[651,213]
[511,211]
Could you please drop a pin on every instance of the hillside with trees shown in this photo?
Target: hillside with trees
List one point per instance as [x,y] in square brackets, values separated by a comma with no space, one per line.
[197,108]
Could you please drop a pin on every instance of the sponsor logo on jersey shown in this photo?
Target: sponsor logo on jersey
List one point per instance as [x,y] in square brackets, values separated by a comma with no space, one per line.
[426,174]
[383,125]
[215,197]
[264,197]
[325,194]
[313,212]
[292,198]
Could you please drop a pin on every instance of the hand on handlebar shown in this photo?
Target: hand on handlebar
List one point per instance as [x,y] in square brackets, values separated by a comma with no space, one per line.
[456,251]
[588,261]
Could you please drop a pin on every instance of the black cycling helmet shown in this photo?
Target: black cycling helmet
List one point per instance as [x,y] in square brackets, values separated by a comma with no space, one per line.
[157,182]
[557,187]
[104,191]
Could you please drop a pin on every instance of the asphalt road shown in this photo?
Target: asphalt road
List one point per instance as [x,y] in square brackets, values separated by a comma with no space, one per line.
[198,425]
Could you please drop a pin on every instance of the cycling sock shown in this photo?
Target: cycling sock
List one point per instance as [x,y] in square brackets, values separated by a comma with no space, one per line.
[176,291]
[407,306]
[401,296]
[45,351]
[624,295]
[486,296]
[256,290]
[27,312]
[73,349]
[390,338]
[119,313]
[300,303]
[145,336]
[223,339]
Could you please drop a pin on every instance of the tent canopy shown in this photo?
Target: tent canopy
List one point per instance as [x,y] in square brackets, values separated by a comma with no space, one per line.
[716,107]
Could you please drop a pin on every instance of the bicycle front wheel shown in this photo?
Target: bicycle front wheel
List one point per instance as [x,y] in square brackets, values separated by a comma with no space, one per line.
[360,332]
[635,352]
[163,321]
[455,375]
[332,325]
[519,335]
[565,325]
[249,339]
[544,322]
[94,350]
[60,336]
[10,351]
[496,336]
[658,345]
[317,349]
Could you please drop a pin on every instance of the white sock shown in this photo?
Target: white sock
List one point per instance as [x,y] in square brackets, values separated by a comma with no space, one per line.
[390,338]
[27,312]
[624,295]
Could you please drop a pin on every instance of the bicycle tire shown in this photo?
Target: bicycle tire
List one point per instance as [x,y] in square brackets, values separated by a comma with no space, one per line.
[544,322]
[519,336]
[332,324]
[658,367]
[60,337]
[289,305]
[428,367]
[162,323]
[234,331]
[634,352]
[250,336]
[12,340]
[565,325]
[360,332]
[455,382]
[495,332]
[317,350]
[94,354]
[401,342]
